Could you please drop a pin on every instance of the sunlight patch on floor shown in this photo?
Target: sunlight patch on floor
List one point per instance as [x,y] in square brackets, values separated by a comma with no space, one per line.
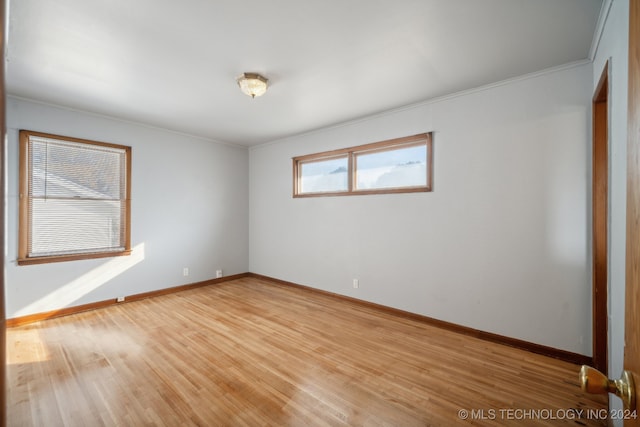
[25,347]
[66,295]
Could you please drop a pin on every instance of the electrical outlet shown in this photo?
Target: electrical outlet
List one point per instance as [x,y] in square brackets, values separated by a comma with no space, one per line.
[356,283]
[218,274]
[120,299]
[185,271]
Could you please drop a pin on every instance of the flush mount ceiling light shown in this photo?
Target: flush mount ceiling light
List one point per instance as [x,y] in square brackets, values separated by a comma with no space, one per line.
[252,84]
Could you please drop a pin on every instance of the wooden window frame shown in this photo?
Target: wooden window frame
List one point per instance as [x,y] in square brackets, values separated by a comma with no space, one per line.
[352,153]
[24,228]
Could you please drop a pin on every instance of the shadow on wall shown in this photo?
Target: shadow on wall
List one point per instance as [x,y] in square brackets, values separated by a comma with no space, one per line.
[66,295]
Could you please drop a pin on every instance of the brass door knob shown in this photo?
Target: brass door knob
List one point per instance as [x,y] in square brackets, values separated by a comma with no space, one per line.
[595,382]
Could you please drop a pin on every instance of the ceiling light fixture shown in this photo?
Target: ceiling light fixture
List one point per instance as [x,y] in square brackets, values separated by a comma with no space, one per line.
[252,84]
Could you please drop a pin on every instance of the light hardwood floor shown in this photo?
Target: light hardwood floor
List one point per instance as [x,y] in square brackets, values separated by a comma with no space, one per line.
[254,353]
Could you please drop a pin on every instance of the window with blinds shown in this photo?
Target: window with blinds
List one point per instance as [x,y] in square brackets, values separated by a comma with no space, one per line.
[74,198]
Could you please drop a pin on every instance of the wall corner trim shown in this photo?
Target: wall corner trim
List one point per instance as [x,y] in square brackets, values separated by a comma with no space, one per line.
[597,35]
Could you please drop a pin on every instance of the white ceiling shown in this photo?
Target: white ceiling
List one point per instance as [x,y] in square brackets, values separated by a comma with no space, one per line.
[173,64]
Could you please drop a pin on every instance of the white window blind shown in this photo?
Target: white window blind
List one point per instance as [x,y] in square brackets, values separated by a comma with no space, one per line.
[77,197]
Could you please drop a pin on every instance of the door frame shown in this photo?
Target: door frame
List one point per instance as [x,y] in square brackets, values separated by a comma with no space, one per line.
[632,286]
[3,323]
[600,215]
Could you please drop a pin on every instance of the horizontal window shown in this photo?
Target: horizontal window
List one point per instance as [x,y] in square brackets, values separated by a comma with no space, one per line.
[74,199]
[402,165]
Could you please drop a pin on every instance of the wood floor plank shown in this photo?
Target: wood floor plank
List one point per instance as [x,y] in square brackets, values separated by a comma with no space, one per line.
[251,352]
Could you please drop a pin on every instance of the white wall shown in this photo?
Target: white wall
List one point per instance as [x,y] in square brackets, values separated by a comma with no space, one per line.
[614,47]
[501,245]
[189,209]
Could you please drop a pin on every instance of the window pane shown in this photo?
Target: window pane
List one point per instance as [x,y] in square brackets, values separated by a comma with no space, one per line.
[324,176]
[396,168]
[75,226]
[67,169]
